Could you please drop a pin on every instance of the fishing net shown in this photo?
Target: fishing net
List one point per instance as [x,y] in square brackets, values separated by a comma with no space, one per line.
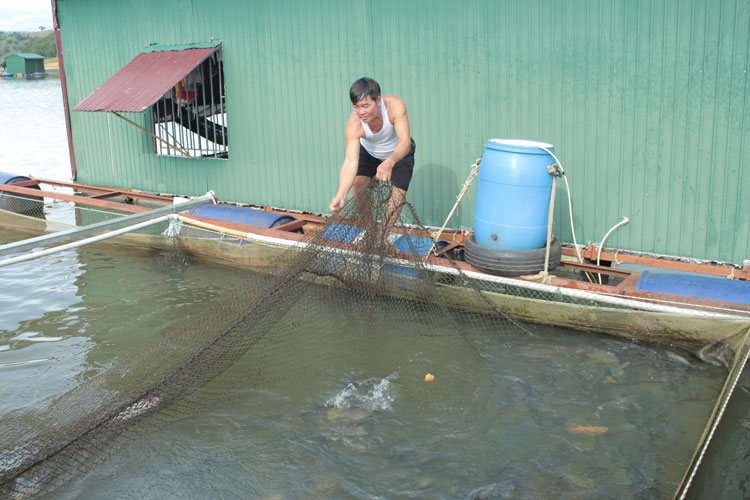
[359,263]
[334,298]
[34,215]
[714,337]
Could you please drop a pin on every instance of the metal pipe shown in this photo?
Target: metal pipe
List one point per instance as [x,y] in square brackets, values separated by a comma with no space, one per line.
[222,98]
[192,109]
[203,95]
[174,119]
[198,117]
[86,241]
[125,221]
[213,104]
[164,126]
[147,131]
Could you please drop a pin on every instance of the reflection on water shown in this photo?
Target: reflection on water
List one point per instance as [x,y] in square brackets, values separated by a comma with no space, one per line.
[72,314]
[33,139]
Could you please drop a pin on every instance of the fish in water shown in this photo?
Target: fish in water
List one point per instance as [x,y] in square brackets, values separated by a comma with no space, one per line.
[138,408]
[359,399]
[587,430]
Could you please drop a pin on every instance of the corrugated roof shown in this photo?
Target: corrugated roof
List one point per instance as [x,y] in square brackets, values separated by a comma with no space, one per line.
[142,81]
[197,45]
[27,56]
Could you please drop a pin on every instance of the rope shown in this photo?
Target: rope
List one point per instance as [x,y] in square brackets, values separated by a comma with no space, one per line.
[173,146]
[617,262]
[464,189]
[544,275]
[721,405]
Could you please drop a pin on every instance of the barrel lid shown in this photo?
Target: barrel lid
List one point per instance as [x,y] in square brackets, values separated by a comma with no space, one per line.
[520,146]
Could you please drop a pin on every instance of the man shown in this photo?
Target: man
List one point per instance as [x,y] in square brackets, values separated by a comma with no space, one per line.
[378,144]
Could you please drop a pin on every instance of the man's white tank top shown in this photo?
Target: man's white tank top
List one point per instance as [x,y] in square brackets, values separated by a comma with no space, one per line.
[382,144]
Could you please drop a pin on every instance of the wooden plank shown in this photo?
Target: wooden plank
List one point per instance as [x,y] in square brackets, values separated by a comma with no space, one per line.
[446,248]
[665,263]
[291,226]
[584,266]
[236,227]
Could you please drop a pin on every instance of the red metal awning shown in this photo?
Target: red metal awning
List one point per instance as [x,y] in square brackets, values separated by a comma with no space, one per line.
[142,81]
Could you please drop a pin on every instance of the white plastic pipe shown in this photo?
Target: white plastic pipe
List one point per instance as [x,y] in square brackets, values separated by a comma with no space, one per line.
[570,202]
[624,220]
[86,241]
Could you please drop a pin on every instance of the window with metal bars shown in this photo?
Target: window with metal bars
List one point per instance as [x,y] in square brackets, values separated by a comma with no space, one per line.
[190,119]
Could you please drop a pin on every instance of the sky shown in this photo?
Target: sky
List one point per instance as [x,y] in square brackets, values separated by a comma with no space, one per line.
[25,15]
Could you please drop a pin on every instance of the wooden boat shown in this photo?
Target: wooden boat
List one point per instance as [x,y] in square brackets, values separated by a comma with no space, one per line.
[578,295]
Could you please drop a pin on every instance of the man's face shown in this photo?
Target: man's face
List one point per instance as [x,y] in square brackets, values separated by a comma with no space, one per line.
[367,109]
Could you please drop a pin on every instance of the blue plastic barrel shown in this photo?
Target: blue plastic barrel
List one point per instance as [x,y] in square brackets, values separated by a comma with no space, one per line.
[20,203]
[513,195]
[697,286]
[241,215]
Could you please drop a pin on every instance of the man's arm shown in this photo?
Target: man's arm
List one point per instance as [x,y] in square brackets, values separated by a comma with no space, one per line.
[397,110]
[351,163]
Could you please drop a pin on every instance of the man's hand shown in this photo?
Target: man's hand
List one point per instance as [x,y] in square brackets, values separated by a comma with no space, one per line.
[336,204]
[384,170]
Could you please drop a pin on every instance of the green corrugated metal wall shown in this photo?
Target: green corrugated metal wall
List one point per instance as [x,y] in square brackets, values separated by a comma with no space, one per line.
[645,101]
[20,63]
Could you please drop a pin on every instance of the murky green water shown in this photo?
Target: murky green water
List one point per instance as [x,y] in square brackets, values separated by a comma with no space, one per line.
[505,412]
[550,413]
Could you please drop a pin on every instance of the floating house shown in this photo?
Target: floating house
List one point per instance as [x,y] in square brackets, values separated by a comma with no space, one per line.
[643,102]
[25,64]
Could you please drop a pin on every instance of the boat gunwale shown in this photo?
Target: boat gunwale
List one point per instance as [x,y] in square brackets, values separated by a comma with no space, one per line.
[559,285]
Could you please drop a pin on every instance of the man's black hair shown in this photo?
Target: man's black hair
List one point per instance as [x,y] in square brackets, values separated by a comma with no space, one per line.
[362,88]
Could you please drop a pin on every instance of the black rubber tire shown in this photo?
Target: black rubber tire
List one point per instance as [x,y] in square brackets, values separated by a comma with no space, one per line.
[511,262]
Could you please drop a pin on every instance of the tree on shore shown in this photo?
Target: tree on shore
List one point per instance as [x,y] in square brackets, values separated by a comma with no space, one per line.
[44,46]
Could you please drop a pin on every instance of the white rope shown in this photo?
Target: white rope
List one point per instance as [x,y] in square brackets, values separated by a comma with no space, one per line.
[729,387]
[464,189]
[570,202]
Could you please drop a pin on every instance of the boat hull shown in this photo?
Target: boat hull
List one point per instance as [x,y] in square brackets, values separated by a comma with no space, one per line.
[712,337]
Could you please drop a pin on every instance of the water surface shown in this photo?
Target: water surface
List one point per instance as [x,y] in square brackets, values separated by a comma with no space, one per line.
[307,413]
[535,413]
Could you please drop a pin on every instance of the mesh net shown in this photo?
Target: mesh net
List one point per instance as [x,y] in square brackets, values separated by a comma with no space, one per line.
[47,214]
[348,264]
[35,215]
[347,286]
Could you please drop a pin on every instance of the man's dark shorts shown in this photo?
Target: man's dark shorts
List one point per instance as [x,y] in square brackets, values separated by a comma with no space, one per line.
[401,173]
